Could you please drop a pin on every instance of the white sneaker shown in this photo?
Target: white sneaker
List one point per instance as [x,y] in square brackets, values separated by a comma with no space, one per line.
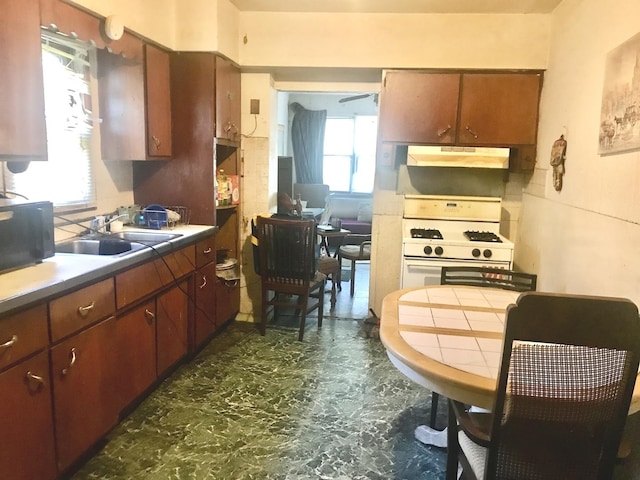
[430,436]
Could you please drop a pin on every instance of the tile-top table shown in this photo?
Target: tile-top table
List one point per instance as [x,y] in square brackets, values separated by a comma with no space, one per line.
[449,339]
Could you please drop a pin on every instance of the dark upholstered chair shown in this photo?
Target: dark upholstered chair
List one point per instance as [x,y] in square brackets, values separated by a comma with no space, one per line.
[355,248]
[482,277]
[568,370]
[287,256]
[489,277]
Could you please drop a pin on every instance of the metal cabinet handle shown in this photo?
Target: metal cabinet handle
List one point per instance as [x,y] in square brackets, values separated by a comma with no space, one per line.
[84,311]
[207,251]
[471,132]
[150,315]
[10,343]
[156,142]
[32,377]
[204,282]
[442,133]
[72,362]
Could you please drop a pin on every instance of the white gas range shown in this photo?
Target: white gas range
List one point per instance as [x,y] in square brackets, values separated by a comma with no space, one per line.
[445,230]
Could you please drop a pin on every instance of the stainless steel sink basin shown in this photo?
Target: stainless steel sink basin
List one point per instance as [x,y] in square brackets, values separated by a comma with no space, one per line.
[147,238]
[104,246]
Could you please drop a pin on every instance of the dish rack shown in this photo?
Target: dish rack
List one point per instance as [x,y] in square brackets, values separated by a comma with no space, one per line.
[158,216]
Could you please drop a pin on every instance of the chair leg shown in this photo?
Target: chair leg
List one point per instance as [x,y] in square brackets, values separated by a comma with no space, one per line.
[333,291]
[452,445]
[353,277]
[434,409]
[321,303]
[303,316]
[263,319]
[339,275]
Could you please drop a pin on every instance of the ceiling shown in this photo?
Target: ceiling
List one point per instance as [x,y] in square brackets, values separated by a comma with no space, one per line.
[399,6]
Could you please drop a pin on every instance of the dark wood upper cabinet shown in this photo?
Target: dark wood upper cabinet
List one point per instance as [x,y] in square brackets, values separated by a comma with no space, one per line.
[419,107]
[158,102]
[499,109]
[460,108]
[227,96]
[135,104]
[22,121]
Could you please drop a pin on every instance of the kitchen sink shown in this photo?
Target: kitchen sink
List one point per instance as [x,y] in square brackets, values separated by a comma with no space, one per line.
[103,246]
[148,238]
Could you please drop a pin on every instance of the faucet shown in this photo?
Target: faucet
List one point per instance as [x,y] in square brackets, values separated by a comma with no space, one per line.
[99,224]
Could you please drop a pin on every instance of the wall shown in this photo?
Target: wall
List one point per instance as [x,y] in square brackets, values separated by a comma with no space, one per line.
[585,238]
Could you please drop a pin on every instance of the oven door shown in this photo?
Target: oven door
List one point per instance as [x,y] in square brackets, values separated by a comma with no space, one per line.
[418,272]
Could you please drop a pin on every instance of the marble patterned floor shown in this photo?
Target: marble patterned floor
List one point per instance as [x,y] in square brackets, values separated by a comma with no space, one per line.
[253,407]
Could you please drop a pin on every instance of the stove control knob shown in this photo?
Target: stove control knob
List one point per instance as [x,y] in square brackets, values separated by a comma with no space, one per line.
[427,250]
[439,251]
[475,252]
[487,253]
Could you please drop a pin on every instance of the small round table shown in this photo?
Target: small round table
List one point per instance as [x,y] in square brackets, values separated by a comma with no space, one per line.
[326,233]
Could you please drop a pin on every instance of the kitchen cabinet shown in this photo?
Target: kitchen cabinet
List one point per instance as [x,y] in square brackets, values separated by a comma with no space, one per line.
[205,291]
[22,121]
[85,389]
[26,417]
[172,326]
[227,99]
[135,104]
[459,108]
[135,335]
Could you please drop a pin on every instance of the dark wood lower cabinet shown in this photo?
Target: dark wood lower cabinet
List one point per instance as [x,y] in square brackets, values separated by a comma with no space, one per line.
[136,341]
[26,421]
[85,389]
[205,306]
[227,299]
[172,326]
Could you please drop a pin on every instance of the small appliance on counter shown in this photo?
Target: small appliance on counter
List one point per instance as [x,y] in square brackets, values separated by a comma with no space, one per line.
[26,230]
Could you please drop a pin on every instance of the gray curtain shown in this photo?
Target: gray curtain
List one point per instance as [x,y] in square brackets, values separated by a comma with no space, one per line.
[307,137]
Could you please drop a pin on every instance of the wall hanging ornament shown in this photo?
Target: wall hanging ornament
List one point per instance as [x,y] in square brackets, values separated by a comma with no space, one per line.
[558,155]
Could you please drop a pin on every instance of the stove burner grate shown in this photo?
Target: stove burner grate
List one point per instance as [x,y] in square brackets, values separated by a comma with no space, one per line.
[476,236]
[426,233]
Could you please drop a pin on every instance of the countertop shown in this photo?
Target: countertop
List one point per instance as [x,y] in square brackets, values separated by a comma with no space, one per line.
[66,271]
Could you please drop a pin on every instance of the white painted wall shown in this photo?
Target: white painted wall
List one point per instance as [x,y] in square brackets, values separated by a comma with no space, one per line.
[584,239]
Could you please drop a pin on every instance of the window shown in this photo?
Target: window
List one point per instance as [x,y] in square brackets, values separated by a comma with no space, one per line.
[66,178]
[350,153]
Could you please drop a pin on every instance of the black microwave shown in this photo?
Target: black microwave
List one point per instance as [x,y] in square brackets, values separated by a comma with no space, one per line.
[26,233]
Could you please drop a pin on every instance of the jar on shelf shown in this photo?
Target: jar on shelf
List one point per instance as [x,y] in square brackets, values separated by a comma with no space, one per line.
[224,189]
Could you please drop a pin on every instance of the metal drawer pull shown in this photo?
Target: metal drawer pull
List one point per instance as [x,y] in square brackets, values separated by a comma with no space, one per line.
[149,314]
[473,134]
[84,311]
[35,378]
[207,251]
[442,133]
[10,343]
[156,142]
[65,370]
[204,282]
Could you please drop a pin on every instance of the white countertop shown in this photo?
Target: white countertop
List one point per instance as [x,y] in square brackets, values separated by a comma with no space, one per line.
[65,271]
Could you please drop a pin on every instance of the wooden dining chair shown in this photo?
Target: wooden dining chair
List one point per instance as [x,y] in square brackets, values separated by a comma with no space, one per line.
[355,248]
[287,258]
[569,366]
[482,277]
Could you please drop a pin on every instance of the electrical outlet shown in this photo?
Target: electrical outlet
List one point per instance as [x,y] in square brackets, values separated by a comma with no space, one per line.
[255,106]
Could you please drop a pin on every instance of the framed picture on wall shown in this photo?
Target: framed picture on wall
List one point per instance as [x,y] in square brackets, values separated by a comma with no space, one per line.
[620,110]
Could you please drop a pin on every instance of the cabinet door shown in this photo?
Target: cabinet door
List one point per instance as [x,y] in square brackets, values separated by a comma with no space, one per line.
[158,102]
[205,316]
[172,326]
[26,421]
[22,123]
[85,376]
[227,300]
[227,100]
[419,107]
[499,109]
[136,343]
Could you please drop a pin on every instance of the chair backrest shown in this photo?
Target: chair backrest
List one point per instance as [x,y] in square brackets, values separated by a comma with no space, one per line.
[569,366]
[286,250]
[489,277]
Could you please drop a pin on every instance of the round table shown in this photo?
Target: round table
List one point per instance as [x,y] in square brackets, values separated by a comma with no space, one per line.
[449,339]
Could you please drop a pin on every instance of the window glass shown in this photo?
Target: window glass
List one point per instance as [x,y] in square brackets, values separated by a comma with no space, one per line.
[66,178]
[349,153]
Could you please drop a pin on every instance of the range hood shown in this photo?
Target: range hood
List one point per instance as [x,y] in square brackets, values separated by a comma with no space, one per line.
[447,156]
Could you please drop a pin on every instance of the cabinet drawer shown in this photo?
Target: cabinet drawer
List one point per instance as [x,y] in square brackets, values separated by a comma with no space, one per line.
[205,251]
[141,281]
[22,334]
[83,307]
